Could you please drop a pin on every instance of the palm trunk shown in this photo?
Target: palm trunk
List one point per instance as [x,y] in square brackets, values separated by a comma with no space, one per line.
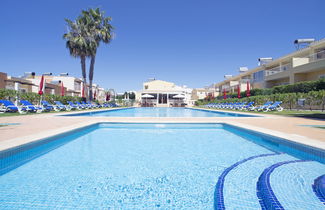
[83,70]
[91,75]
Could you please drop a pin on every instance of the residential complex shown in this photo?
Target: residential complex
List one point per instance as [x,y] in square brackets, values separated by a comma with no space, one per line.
[30,83]
[304,64]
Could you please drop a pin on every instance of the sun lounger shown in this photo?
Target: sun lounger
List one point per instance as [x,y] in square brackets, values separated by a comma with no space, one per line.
[8,106]
[50,107]
[31,107]
[275,106]
[82,106]
[86,105]
[264,106]
[250,106]
[240,106]
[92,105]
[105,105]
[72,105]
[114,105]
[61,106]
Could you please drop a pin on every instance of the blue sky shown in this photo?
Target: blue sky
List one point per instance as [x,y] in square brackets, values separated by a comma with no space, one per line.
[189,42]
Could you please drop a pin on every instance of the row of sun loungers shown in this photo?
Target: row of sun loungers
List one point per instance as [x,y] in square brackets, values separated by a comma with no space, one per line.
[248,106]
[26,106]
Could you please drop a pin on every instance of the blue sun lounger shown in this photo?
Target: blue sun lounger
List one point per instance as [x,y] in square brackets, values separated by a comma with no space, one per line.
[81,106]
[61,106]
[264,106]
[72,105]
[276,106]
[49,106]
[31,107]
[105,105]
[8,106]
[92,105]
[86,105]
[249,106]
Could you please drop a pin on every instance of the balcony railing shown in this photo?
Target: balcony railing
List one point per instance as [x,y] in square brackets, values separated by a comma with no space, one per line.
[317,56]
[244,81]
[308,59]
[277,69]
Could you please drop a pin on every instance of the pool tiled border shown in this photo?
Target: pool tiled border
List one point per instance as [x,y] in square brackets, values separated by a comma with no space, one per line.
[283,144]
[24,153]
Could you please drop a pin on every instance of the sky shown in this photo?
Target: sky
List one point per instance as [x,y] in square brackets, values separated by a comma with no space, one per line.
[188,42]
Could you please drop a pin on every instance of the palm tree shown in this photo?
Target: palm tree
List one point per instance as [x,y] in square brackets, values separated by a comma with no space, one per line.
[77,42]
[99,30]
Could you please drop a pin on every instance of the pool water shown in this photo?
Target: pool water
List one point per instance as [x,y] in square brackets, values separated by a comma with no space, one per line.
[154,166]
[159,112]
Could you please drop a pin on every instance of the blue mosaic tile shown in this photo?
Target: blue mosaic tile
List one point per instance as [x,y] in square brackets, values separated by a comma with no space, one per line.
[264,191]
[319,188]
[218,194]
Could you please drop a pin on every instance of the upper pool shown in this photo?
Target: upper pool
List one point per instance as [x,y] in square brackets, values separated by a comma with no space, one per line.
[158,112]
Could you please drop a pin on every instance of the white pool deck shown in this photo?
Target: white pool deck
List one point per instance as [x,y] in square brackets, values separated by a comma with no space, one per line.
[39,126]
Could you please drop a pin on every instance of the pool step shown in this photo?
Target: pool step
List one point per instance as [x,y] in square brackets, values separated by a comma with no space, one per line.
[237,185]
[292,183]
[264,191]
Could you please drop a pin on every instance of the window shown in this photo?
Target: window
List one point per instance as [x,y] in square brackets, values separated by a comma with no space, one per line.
[322,76]
[77,86]
[258,76]
[146,87]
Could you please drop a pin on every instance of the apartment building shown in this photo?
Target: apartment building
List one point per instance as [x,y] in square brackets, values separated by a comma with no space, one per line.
[71,84]
[304,64]
[15,83]
[30,83]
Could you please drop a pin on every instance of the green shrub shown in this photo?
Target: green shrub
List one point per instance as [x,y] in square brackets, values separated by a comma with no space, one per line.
[34,97]
[289,100]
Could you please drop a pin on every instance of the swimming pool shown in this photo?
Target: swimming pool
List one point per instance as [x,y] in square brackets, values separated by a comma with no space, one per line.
[159,112]
[166,166]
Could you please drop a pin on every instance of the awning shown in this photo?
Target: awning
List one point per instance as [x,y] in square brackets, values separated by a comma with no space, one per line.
[179,96]
[147,96]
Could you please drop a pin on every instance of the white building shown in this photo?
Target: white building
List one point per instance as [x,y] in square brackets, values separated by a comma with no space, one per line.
[199,93]
[158,93]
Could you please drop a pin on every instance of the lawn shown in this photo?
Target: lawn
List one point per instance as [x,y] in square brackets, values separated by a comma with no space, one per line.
[291,113]
[299,113]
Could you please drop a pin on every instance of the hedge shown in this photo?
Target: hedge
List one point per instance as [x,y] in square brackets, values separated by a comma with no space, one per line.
[299,87]
[312,98]
[34,97]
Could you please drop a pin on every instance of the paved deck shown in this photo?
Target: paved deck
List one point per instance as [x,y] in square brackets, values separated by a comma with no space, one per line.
[36,127]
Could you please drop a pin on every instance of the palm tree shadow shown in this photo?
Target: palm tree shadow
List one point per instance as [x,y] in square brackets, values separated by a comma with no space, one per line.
[314,116]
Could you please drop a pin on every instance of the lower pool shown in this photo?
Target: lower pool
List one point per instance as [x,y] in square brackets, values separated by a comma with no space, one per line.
[161,166]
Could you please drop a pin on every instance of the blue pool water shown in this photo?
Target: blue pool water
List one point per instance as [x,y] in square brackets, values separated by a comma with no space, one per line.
[158,166]
[159,112]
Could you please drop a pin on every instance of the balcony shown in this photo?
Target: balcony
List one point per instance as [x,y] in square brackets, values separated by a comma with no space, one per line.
[277,69]
[298,61]
[317,56]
